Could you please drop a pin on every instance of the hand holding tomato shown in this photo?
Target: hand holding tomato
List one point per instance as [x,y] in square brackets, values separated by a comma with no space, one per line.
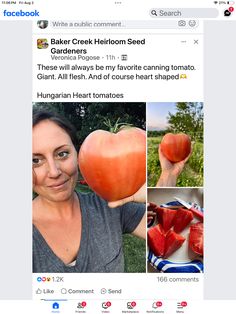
[170,170]
[139,197]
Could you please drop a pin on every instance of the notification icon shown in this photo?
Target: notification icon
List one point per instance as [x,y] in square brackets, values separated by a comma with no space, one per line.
[106,305]
[131,305]
[81,305]
[181,305]
[156,304]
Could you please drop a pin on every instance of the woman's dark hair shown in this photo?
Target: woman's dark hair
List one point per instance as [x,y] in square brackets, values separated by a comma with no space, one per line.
[41,115]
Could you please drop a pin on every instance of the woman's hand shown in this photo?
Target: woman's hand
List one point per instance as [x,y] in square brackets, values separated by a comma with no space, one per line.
[139,197]
[170,171]
[151,212]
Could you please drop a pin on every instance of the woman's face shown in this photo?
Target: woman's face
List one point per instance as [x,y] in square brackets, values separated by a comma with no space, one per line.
[55,168]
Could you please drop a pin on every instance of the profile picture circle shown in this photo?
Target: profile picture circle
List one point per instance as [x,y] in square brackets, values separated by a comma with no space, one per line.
[42,24]
[42,43]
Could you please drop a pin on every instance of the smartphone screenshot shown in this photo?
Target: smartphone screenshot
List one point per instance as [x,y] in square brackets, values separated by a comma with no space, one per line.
[117,128]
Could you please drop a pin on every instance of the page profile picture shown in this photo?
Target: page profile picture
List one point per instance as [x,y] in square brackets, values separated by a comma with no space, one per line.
[42,43]
[42,24]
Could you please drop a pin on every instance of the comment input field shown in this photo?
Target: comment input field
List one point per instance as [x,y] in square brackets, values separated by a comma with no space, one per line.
[118,24]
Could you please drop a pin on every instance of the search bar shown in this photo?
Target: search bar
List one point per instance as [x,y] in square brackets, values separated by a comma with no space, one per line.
[184,13]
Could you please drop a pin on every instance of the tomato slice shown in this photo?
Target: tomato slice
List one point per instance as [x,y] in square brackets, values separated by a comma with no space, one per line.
[173,242]
[182,219]
[196,238]
[156,240]
[166,217]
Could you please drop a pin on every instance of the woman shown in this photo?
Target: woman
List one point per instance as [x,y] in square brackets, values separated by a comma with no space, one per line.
[74,232]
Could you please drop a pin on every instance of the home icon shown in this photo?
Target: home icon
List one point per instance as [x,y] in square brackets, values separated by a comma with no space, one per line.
[55,306]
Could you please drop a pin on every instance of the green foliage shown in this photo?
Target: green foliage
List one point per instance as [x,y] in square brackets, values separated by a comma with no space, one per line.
[82,188]
[134,253]
[155,133]
[193,171]
[188,119]
[153,164]
[196,160]
[88,117]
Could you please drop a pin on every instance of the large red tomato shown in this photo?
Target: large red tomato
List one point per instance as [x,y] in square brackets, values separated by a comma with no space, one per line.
[176,147]
[114,165]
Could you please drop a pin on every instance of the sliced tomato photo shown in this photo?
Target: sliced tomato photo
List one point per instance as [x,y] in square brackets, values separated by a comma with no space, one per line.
[173,242]
[165,217]
[182,219]
[196,238]
[156,240]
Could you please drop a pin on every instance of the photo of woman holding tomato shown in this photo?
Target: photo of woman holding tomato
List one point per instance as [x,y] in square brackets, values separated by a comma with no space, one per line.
[74,231]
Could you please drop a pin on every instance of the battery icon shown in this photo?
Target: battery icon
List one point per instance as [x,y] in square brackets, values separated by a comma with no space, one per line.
[230,2]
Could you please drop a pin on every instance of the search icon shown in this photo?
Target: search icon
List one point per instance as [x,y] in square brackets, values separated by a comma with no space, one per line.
[154,12]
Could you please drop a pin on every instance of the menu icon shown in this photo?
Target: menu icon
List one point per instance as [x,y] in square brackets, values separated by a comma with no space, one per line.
[181,305]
